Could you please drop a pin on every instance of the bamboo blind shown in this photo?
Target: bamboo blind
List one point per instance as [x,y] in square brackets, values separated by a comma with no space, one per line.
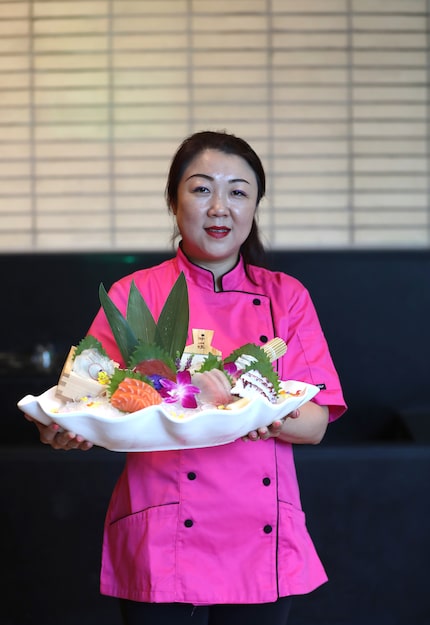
[96,95]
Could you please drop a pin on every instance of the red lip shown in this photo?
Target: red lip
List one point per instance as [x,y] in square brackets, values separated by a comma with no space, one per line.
[217,232]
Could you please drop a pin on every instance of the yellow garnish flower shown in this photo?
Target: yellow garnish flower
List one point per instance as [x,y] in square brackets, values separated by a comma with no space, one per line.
[103,378]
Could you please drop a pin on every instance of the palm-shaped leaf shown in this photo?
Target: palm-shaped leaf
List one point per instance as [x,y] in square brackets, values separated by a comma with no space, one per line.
[172,325]
[124,336]
[139,327]
[140,317]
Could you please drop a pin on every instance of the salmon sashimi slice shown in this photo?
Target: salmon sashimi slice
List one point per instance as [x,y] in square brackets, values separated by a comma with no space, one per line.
[133,395]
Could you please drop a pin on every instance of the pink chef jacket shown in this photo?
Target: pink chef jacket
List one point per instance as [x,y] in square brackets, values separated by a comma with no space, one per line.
[221,524]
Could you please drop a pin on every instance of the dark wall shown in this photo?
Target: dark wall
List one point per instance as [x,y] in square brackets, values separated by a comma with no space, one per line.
[374,308]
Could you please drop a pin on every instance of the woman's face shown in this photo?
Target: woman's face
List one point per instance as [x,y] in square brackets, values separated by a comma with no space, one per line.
[217,198]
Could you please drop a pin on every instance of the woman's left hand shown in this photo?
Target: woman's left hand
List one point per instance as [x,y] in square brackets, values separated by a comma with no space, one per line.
[270,431]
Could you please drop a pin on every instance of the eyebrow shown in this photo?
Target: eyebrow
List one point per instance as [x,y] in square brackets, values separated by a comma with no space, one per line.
[232,181]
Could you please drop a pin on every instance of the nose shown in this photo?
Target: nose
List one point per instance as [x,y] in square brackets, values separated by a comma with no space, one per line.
[218,206]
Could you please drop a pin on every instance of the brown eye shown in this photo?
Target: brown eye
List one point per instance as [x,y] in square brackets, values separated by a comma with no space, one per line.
[201,190]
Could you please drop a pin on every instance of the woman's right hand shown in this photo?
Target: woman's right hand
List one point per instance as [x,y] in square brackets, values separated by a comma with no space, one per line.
[59,439]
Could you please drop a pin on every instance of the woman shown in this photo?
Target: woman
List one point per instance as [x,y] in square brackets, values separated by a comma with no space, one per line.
[217,535]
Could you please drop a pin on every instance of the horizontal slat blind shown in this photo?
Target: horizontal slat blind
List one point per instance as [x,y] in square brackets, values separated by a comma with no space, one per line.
[96,95]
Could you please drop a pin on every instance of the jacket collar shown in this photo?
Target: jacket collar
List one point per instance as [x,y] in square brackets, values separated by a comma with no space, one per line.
[233,280]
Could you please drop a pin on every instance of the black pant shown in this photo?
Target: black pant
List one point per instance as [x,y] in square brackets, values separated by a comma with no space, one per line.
[135,613]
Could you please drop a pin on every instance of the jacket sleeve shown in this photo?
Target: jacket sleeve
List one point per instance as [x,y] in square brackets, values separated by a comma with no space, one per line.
[308,357]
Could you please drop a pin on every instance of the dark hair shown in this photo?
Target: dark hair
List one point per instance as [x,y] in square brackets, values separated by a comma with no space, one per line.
[252,248]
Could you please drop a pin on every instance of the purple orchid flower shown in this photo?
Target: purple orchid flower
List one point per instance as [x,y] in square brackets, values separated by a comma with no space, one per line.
[182,390]
[231,368]
[155,379]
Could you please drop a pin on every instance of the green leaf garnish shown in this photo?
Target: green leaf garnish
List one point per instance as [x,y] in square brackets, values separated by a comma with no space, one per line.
[250,349]
[140,317]
[172,324]
[262,362]
[211,362]
[89,342]
[121,330]
[267,371]
[120,375]
[150,352]
[138,326]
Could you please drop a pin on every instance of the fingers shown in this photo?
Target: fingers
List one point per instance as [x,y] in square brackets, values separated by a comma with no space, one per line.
[264,433]
[57,438]
[271,431]
[251,436]
[47,432]
[69,440]
[63,440]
